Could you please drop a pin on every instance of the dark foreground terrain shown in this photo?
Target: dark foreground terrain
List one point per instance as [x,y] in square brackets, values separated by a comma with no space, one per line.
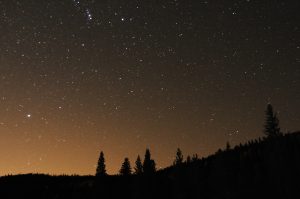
[268,168]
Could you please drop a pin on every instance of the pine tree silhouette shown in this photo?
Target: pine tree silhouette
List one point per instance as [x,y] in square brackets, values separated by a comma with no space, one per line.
[101,171]
[179,157]
[126,168]
[138,169]
[188,159]
[228,147]
[272,123]
[149,164]
[195,157]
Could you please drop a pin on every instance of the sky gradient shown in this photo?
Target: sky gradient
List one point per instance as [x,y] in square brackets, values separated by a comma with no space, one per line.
[80,76]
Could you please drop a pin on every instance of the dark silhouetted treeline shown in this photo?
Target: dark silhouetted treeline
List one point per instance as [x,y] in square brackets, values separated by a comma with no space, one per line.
[264,168]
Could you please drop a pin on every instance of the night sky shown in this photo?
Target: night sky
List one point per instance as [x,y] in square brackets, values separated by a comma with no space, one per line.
[80,76]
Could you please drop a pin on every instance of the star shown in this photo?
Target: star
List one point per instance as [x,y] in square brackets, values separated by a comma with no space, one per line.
[88,14]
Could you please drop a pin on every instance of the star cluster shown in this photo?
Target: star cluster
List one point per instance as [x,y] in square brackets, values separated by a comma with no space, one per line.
[78,77]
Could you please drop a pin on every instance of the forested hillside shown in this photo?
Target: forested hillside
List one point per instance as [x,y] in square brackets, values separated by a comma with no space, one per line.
[260,168]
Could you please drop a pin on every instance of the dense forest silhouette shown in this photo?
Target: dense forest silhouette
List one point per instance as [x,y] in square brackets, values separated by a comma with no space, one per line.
[267,167]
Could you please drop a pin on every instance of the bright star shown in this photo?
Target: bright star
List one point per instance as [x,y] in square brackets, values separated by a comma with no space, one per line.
[88,14]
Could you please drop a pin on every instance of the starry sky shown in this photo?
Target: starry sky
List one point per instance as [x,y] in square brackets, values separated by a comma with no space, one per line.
[80,76]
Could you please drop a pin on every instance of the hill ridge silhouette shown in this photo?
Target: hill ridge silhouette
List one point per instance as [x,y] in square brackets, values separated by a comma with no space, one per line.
[268,167]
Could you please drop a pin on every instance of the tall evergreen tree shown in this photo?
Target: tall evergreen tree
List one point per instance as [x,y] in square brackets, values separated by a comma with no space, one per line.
[188,159]
[228,147]
[179,157]
[138,169]
[195,157]
[126,168]
[272,128]
[101,171]
[148,164]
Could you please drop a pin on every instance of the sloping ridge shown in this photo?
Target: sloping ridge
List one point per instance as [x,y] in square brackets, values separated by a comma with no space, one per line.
[268,167]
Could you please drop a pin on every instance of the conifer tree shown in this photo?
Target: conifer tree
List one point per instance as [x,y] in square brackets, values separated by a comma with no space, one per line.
[188,159]
[126,168]
[272,123]
[101,171]
[228,147]
[148,164]
[195,157]
[138,169]
[179,157]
